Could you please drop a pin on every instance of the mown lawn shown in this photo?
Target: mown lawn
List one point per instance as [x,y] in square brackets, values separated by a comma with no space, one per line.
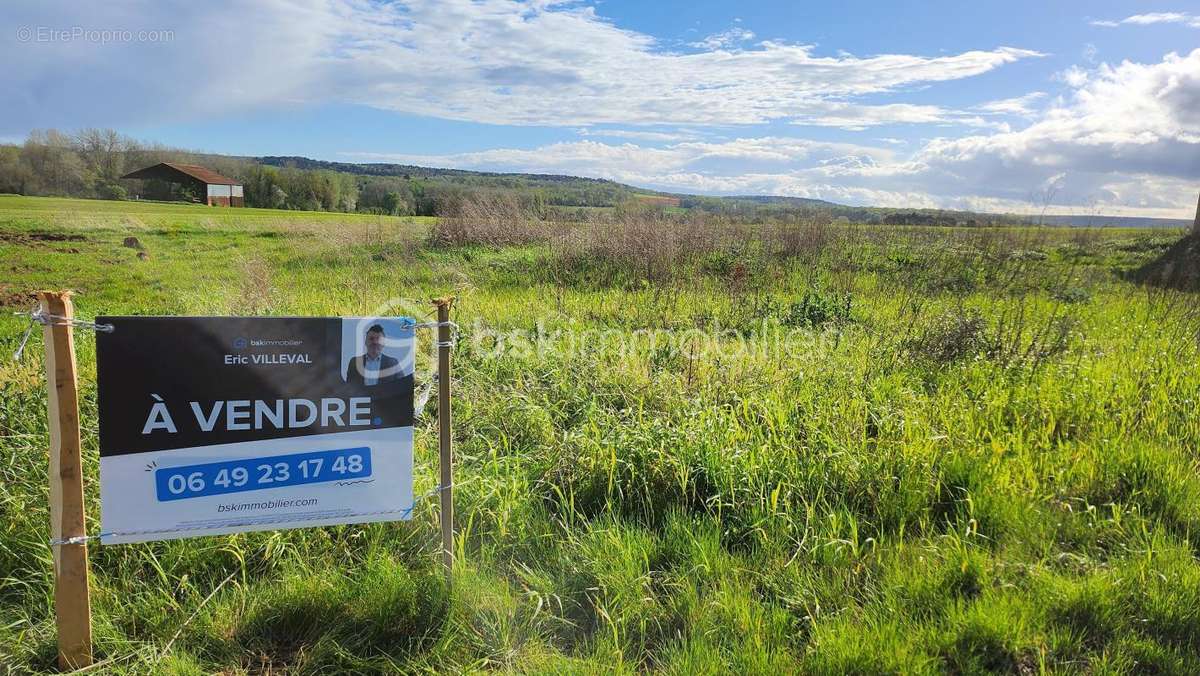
[872,450]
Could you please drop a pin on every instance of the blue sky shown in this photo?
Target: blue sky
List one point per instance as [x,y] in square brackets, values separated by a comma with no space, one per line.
[1088,107]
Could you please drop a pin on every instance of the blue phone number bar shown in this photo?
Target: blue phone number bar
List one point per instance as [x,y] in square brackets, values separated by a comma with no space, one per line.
[252,474]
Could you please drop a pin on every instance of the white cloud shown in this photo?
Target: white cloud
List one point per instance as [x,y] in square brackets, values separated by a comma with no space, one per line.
[1125,141]
[1133,126]
[636,134]
[857,117]
[1126,135]
[1074,76]
[491,61]
[1021,105]
[1129,118]
[1189,20]
[724,39]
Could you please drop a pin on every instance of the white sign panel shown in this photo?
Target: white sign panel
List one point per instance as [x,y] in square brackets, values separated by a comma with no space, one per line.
[212,425]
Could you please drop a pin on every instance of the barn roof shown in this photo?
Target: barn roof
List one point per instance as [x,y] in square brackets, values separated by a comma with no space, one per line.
[170,171]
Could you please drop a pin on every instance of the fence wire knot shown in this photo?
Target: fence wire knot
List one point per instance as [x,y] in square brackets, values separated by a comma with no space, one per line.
[37,316]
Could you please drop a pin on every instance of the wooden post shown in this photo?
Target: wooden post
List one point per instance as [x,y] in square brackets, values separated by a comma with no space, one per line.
[1196,223]
[447,456]
[71,604]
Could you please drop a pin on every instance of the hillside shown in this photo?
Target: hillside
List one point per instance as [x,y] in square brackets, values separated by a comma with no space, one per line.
[414,171]
[91,163]
[745,205]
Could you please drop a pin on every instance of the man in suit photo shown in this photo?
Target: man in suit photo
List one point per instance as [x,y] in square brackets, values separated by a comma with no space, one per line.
[373,366]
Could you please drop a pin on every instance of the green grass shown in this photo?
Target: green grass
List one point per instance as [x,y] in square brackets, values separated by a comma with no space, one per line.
[925,476]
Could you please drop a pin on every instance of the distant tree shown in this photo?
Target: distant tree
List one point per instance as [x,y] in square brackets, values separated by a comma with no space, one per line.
[56,168]
[112,191]
[391,202]
[15,175]
[103,154]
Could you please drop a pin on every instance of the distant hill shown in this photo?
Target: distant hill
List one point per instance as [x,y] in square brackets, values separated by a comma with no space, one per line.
[780,199]
[1113,221]
[583,191]
[412,171]
[92,163]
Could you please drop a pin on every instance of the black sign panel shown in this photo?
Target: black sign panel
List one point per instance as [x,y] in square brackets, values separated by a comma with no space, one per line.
[179,382]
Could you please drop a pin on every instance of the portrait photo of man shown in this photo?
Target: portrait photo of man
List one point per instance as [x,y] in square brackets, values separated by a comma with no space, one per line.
[373,366]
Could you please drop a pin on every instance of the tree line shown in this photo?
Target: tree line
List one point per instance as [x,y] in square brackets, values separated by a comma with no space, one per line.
[89,163]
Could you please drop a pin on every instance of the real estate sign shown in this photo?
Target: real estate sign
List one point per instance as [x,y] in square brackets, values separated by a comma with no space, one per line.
[213,425]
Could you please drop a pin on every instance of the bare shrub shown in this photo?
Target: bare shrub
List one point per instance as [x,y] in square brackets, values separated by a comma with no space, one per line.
[1015,338]
[807,238]
[494,219]
[653,245]
[950,338]
[650,245]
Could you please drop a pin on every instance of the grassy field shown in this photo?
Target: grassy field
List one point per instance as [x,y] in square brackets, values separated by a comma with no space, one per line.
[810,448]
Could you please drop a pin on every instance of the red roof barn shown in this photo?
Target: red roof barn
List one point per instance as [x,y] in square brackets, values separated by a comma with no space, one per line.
[209,186]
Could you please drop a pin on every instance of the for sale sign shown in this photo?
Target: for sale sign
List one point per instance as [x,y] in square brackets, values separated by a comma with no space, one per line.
[213,425]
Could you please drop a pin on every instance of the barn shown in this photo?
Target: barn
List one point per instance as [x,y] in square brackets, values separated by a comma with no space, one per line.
[205,184]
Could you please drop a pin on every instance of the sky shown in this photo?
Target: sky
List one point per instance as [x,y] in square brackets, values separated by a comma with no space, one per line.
[1068,107]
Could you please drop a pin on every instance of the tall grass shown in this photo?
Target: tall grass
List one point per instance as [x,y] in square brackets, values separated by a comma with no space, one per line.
[950,464]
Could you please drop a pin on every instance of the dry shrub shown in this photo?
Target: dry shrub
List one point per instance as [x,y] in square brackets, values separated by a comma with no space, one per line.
[807,238]
[1016,338]
[493,219]
[381,238]
[950,338]
[651,244]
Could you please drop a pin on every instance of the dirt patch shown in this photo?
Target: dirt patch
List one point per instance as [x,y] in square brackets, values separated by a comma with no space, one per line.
[10,298]
[32,237]
[55,237]
[1178,268]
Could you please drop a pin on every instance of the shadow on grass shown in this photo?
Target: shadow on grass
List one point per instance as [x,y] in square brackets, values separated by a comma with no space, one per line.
[1178,268]
[381,613]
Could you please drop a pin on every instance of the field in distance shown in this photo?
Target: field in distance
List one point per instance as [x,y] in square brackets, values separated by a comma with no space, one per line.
[684,444]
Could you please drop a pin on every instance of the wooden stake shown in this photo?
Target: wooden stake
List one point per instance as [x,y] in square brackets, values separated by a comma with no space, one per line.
[1196,223]
[71,604]
[447,455]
